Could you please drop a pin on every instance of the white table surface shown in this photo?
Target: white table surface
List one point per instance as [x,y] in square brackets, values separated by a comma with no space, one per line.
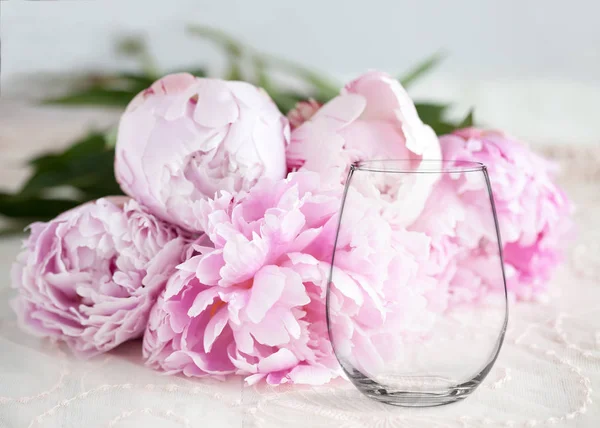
[548,372]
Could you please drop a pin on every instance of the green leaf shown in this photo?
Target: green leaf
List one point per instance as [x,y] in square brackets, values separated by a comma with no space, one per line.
[262,77]
[235,71]
[107,90]
[135,47]
[95,97]
[468,121]
[231,45]
[33,208]
[442,128]
[285,100]
[431,112]
[421,69]
[87,165]
[433,115]
[93,142]
[92,174]
[233,48]
[16,228]
[326,88]
[131,46]
[110,136]
[137,80]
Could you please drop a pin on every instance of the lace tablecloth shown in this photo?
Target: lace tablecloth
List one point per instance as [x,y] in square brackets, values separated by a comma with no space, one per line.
[548,372]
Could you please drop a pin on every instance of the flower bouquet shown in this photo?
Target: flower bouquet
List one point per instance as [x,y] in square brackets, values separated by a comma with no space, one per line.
[219,255]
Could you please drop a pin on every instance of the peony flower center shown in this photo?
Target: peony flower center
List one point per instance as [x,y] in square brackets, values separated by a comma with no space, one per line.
[208,170]
[246,285]
[215,307]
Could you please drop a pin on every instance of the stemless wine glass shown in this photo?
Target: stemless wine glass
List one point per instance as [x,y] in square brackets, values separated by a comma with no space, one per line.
[416,301]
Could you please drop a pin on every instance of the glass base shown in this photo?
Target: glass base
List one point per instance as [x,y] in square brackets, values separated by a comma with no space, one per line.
[417,391]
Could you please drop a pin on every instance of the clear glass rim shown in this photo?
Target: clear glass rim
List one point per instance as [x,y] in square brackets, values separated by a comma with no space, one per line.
[426,166]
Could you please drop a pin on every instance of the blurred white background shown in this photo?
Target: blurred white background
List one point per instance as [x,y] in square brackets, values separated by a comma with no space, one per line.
[531,67]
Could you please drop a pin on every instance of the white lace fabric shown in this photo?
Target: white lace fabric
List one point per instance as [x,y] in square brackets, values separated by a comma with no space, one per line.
[547,374]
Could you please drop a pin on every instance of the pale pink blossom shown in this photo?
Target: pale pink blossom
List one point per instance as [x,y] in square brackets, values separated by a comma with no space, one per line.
[90,276]
[373,118]
[534,216]
[259,294]
[186,138]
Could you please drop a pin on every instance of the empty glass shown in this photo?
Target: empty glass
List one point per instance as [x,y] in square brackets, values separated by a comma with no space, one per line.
[416,303]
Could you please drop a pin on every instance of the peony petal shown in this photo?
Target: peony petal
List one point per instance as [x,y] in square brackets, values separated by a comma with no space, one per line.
[202,301]
[242,259]
[271,331]
[214,328]
[341,110]
[268,286]
[216,105]
[311,375]
[254,379]
[281,360]
[208,267]
[345,284]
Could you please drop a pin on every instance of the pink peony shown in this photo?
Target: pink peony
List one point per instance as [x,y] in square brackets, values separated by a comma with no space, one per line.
[258,296]
[185,138]
[533,215]
[90,276]
[372,118]
[464,252]
[303,111]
